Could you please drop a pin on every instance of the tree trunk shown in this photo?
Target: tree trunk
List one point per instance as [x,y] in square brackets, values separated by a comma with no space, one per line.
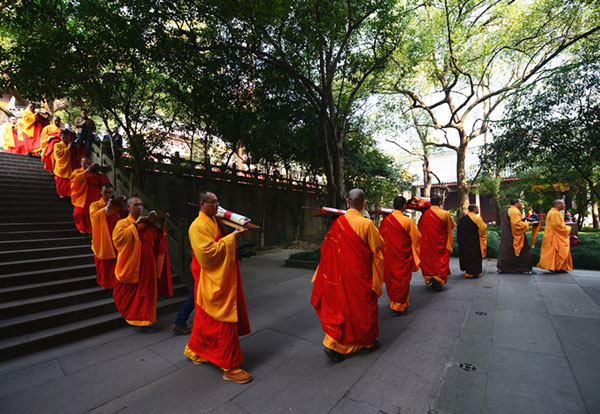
[462,185]
[427,179]
[328,157]
[497,207]
[340,195]
[595,221]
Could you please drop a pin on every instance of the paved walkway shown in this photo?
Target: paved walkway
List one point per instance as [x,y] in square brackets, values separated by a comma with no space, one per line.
[532,344]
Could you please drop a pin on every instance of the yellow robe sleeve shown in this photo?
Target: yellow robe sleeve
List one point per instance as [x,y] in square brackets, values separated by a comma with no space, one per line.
[62,160]
[129,247]
[217,284]
[518,228]
[415,237]
[375,242]
[28,122]
[102,244]
[482,230]
[447,218]
[78,187]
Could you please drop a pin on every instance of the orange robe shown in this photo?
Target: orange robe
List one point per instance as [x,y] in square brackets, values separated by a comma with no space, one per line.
[348,282]
[436,227]
[220,315]
[556,249]
[50,136]
[143,271]
[401,253]
[103,224]
[62,169]
[85,189]
[32,130]
[9,137]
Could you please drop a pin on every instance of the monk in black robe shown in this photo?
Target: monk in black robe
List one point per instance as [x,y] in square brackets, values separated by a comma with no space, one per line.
[515,252]
[472,242]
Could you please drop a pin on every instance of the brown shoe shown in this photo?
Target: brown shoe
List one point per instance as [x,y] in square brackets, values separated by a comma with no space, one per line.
[237,375]
[181,330]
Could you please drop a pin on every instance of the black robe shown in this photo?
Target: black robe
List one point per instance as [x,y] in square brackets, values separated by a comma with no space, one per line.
[508,262]
[468,246]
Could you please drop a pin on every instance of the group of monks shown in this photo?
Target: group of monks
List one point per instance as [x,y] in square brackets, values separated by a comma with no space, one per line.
[24,136]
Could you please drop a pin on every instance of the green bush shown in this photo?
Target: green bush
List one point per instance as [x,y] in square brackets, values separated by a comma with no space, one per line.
[589,230]
[493,244]
[308,255]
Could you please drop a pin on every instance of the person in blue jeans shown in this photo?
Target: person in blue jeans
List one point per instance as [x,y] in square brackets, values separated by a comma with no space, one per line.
[180,326]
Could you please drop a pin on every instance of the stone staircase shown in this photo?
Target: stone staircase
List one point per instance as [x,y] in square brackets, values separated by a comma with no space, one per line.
[48,290]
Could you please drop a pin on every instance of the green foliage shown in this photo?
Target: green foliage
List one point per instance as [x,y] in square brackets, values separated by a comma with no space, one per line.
[308,255]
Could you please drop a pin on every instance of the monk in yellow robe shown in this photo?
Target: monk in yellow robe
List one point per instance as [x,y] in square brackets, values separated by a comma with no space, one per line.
[85,189]
[62,164]
[555,254]
[104,215]
[10,135]
[515,252]
[143,271]
[50,136]
[436,227]
[348,282]
[33,123]
[401,255]
[220,308]
[472,242]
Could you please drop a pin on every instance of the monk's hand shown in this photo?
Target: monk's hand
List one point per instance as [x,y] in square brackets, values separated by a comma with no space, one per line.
[237,233]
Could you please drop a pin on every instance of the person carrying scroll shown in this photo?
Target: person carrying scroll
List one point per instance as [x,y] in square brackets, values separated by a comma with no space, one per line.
[50,136]
[85,189]
[62,164]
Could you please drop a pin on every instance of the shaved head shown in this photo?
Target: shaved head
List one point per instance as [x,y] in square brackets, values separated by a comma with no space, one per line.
[558,203]
[356,198]
[133,200]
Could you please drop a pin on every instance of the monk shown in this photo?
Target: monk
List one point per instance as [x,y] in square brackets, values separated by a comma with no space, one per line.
[104,215]
[348,282]
[220,308]
[401,253]
[85,189]
[436,227]
[33,123]
[62,164]
[20,143]
[143,270]
[472,242]
[515,252]
[555,254]
[50,136]
[10,136]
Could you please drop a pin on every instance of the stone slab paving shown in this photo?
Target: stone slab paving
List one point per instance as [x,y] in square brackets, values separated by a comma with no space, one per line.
[530,344]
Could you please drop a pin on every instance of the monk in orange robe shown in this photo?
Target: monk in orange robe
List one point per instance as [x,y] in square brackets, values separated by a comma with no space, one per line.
[62,165]
[348,282]
[33,123]
[104,215]
[85,189]
[50,136]
[472,242]
[10,135]
[515,252]
[220,308]
[401,253]
[436,227]
[555,254]
[143,270]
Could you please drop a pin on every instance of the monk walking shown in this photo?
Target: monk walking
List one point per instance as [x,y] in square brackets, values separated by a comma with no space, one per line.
[62,165]
[85,189]
[348,282]
[104,215]
[50,136]
[10,136]
[401,253]
[220,308]
[436,227]
[515,252]
[472,242]
[555,254]
[143,270]
[33,123]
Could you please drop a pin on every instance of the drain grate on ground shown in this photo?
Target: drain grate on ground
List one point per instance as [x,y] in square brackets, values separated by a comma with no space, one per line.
[467,367]
[488,287]
[481,313]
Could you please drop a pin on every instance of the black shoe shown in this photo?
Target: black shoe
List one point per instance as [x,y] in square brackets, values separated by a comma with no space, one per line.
[435,285]
[376,345]
[149,329]
[334,356]
[562,271]
[396,313]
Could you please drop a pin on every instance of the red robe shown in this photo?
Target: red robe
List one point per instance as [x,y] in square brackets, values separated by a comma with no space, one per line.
[32,143]
[81,205]
[342,292]
[400,258]
[137,301]
[48,154]
[435,256]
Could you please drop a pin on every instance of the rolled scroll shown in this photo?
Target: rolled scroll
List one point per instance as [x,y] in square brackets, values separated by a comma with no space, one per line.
[329,211]
[418,203]
[382,210]
[233,217]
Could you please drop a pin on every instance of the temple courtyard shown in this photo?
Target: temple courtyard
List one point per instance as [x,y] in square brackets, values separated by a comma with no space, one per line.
[497,344]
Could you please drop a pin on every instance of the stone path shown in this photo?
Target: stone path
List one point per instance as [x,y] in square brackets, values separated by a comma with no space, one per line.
[530,344]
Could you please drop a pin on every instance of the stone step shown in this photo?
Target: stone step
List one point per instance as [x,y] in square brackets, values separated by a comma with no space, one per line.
[45,275]
[49,263]
[44,243]
[34,219]
[39,234]
[35,341]
[49,252]
[10,172]
[49,211]
[46,288]
[53,225]
[48,193]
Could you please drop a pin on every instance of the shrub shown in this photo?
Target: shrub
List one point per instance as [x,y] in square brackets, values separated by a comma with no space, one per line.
[493,244]
[589,230]
[308,255]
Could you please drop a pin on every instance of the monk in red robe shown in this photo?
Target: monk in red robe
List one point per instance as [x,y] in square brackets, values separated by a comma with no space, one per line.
[104,215]
[348,282]
[436,227]
[85,189]
[33,123]
[220,308]
[50,136]
[401,253]
[143,270]
[62,165]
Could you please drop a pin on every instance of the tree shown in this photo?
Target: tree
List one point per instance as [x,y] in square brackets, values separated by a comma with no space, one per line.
[467,57]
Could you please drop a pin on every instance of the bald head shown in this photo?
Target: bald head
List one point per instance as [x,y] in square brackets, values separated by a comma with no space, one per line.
[135,206]
[86,162]
[356,198]
[558,204]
